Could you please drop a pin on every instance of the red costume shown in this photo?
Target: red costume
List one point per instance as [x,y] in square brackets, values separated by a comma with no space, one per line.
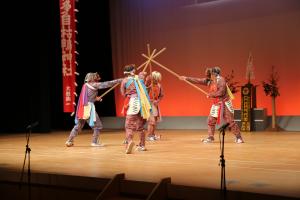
[156,94]
[221,110]
[136,107]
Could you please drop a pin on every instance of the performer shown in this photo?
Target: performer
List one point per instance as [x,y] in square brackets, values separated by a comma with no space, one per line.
[221,109]
[136,107]
[155,91]
[86,111]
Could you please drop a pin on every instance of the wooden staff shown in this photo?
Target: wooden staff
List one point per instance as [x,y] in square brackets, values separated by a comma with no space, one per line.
[151,78]
[175,74]
[149,61]
[110,89]
[145,63]
[162,50]
[139,67]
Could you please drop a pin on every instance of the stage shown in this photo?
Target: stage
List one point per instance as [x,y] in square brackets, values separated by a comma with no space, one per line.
[268,162]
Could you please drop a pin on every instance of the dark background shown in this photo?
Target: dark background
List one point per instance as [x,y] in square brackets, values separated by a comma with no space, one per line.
[32,78]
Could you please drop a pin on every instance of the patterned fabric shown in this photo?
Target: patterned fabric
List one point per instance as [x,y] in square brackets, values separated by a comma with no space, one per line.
[156,94]
[222,109]
[133,106]
[155,110]
[135,123]
[214,110]
[97,126]
[228,118]
[136,107]
[220,90]
[134,87]
[92,93]
[86,111]
[229,106]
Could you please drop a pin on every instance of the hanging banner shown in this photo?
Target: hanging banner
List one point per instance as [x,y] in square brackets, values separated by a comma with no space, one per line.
[246,108]
[67,27]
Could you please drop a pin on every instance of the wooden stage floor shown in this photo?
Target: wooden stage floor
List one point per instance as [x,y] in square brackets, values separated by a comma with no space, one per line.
[269,162]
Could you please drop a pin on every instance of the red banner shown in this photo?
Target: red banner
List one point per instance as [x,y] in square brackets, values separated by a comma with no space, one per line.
[67,27]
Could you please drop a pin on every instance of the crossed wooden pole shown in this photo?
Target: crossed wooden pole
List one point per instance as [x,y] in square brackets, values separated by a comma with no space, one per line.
[150,59]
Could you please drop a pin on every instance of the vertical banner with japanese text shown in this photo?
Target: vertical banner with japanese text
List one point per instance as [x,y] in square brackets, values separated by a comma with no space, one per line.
[67,27]
[246,107]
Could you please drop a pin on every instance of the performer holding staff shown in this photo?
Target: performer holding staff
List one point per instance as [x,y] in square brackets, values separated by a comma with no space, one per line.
[86,111]
[221,109]
[136,107]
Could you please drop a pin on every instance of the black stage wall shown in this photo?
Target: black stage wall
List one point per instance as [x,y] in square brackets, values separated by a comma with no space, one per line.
[32,86]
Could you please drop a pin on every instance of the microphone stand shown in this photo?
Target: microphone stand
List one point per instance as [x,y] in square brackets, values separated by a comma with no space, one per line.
[27,154]
[222,162]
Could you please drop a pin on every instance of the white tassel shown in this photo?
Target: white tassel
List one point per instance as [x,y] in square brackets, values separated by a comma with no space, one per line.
[77,52]
[72,114]
[75,94]
[76,73]
[74,103]
[76,42]
[76,10]
[75,84]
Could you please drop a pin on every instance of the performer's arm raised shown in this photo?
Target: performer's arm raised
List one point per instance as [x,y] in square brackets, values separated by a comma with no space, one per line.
[106,84]
[201,81]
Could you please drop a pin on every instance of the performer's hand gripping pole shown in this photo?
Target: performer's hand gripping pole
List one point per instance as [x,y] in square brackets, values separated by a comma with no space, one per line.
[174,73]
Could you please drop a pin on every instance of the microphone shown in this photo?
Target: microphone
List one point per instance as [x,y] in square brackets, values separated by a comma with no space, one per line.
[224,126]
[30,126]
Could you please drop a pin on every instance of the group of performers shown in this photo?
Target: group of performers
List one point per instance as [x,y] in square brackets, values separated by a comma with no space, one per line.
[142,95]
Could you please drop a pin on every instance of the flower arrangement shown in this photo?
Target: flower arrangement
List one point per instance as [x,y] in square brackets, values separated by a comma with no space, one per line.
[231,84]
[271,86]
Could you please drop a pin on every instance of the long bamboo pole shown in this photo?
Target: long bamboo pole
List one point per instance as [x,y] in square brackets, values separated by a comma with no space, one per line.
[175,74]
[113,87]
[152,92]
[149,61]
[158,53]
[139,67]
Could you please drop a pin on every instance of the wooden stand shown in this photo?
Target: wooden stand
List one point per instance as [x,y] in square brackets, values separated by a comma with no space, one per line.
[248,103]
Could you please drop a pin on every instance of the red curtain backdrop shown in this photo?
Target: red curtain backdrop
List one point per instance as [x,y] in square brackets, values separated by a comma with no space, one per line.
[67,22]
[200,34]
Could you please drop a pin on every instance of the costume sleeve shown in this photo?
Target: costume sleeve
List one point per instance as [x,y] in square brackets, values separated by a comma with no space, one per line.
[122,87]
[201,81]
[107,84]
[161,93]
[221,89]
